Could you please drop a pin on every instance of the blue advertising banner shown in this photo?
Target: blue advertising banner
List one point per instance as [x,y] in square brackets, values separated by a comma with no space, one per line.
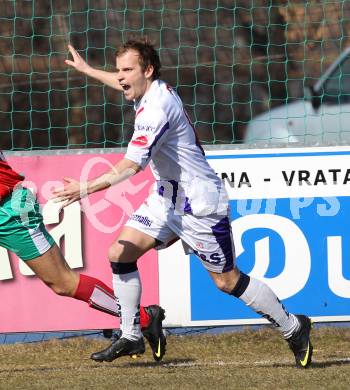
[290,213]
[328,247]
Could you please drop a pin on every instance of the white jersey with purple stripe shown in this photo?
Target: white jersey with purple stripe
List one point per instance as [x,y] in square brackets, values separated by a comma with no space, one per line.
[165,137]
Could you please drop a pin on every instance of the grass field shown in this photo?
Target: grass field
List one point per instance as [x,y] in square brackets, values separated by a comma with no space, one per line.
[245,360]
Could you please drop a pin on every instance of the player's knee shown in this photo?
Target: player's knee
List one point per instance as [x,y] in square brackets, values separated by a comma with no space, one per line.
[58,289]
[122,253]
[226,281]
[64,288]
[223,286]
[114,253]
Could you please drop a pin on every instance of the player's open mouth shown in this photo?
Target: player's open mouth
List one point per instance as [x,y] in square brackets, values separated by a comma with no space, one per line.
[126,87]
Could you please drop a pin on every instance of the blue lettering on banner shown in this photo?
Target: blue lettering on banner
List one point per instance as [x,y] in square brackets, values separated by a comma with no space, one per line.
[302,246]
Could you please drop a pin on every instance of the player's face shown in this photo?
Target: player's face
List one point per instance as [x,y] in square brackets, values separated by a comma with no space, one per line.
[134,81]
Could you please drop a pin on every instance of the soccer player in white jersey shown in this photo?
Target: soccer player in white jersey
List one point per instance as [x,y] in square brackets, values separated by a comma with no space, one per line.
[189,202]
[22,231]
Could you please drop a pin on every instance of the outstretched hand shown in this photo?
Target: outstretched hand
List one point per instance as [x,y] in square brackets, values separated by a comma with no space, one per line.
[72,191]
[78,63]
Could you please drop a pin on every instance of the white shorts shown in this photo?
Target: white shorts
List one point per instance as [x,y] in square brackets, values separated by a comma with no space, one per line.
[209,237]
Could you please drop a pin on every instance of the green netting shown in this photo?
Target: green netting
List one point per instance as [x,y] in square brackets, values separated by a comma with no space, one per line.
[230,60]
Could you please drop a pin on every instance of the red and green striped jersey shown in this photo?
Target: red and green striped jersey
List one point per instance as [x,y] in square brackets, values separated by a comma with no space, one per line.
[8,177]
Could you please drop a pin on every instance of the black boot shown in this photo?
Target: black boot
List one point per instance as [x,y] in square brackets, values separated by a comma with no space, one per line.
[300,342]
[120,347]
[154,331]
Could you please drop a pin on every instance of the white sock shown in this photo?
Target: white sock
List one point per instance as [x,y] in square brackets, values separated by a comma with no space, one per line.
[264,301]
[127,289]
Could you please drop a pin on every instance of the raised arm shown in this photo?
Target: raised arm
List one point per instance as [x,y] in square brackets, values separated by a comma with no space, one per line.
[108,78]
[74,190]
